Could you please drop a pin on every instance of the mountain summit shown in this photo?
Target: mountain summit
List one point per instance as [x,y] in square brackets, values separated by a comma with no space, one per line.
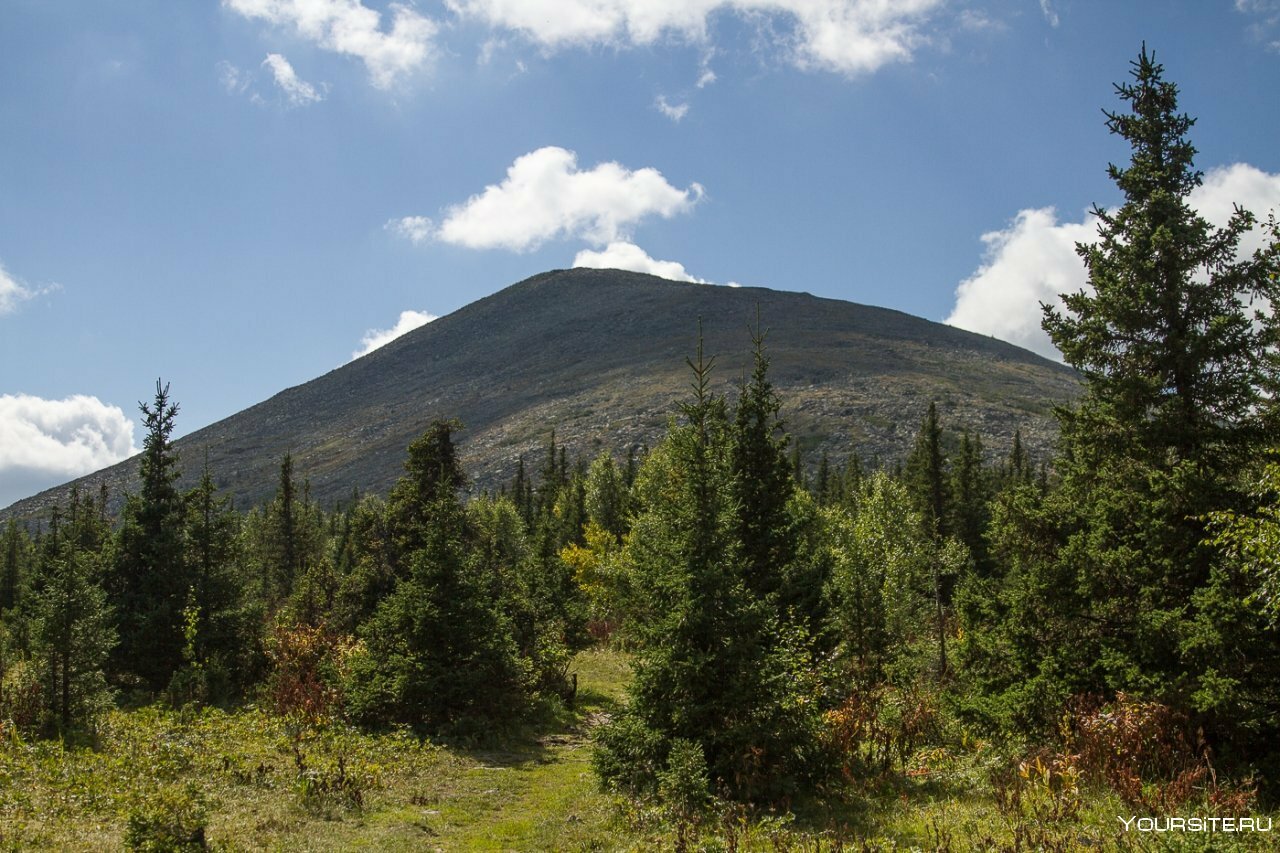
[599,355]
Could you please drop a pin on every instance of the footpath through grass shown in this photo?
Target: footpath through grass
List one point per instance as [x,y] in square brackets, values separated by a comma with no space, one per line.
[256,783]
[253,782]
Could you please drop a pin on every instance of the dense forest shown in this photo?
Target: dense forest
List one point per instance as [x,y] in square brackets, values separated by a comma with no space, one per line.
[1106,620]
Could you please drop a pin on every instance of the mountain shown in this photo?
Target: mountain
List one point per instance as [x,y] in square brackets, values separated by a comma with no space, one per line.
[599,355]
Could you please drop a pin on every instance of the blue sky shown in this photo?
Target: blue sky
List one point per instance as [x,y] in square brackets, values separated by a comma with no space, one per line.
[239,196]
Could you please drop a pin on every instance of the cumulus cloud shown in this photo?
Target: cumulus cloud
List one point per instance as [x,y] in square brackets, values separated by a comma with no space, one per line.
[298,91]
[545,196]
[675,112]
[621,255]
[846,36]
[46,442]
[1033,259]
[350,28]
[374,338]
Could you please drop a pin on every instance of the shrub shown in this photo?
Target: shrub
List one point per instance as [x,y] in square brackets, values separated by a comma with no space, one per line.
[1149,754]
[171,820]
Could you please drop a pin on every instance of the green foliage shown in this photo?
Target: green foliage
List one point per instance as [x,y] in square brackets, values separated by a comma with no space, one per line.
[1107,583]
[66,623]
[16,556]
[71,638]
[220,629]
[1251,540]
[715,668]
[606,496]
[761,479]
[926,475]
[536,594]
[148,581]
[886,568]
[438,652]
[170,820]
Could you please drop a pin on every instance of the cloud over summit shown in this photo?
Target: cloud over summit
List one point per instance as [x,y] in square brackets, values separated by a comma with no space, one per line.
[546,196]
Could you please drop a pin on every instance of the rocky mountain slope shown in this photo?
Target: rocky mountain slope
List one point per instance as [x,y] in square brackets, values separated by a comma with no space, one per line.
[599,355]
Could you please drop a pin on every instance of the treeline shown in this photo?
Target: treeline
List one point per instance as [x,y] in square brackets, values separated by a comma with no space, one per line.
[784,633]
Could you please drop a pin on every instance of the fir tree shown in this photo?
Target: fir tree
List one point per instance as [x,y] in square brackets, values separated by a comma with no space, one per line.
[72,633]
[15,562]
[714,667]
[224,629]
[762,479]
[148,582]
[438,652]
[1111,573]
[926,474]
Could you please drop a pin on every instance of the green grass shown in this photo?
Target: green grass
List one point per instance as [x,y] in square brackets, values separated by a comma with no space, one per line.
[531,789]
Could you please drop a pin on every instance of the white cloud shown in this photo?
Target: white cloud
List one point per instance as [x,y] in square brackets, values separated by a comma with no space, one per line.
[298,91]
[628,256]
[349,27]
[415,229]
[1049,14]
[14,292]
[46,442]
[675,112]
[845,36]
[546,196]
[1033,260]
[374,338]
[1238,184]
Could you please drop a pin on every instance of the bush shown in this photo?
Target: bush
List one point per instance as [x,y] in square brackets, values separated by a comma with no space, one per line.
[170,820]
[22,703]
[1149,754]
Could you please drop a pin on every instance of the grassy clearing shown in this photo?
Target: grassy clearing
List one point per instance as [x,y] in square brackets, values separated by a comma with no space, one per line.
[262,785]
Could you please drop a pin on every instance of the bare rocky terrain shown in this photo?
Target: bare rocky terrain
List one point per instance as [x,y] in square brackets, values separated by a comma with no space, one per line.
[599,355]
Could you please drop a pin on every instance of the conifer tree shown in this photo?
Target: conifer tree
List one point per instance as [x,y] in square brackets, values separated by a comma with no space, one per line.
[926,474]
[606,496]
[223,630]
[15,564]
[1113,569]
[148,582]
[715,670]
[438,651]
[970,495]
[431,467]
[72,634]
[762,478]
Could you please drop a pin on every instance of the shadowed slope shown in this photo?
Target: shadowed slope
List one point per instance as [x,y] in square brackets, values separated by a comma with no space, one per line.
[599,356]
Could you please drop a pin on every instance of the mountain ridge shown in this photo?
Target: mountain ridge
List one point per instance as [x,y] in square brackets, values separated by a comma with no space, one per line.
[599,355]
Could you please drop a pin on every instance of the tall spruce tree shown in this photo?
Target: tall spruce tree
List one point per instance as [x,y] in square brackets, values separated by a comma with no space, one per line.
[762,478]
[223,629]
[1112,586]
[926,474]
[148,582]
